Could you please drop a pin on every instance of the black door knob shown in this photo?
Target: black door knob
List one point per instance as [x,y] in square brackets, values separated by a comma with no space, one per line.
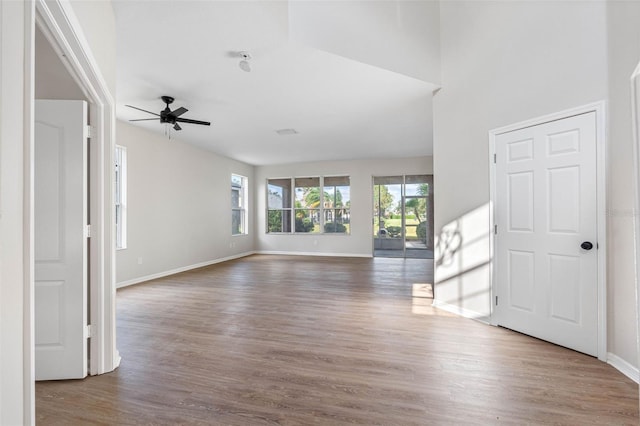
[586,245]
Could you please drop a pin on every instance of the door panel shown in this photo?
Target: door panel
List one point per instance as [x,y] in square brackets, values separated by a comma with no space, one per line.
[60,242]
[564,273]
[520,198]
[521,282]
[564,200]
[545,208]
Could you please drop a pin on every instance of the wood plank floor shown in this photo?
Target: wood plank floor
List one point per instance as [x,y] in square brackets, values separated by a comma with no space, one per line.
[279,340]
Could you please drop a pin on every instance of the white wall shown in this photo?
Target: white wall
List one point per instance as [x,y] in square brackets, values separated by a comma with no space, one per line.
[179,206]
[14,387]
[400,36]
[623,20]
[505,62]
[52,79]
[502,62]
[98,23]
[360,241]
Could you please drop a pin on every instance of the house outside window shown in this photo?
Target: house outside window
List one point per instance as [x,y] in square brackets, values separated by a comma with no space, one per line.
[238,205]
[121,196]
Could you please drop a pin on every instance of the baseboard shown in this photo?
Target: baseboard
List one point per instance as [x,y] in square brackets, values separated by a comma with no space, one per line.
[181,269]
[313,253]
[624,367]
[466,313]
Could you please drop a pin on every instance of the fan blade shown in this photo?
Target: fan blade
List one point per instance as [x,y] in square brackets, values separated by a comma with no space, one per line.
[144,119]
[186,120]
[143,110]
[177,127]
[178,112]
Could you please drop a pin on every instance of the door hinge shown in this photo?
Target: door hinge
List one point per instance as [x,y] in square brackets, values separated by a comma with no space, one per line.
[87,231]
[495,229]
[89,130]
[496,300]
[88,331]
[495,158]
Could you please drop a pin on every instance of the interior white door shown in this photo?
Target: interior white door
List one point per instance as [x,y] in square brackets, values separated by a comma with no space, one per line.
[60,240]
[546,218]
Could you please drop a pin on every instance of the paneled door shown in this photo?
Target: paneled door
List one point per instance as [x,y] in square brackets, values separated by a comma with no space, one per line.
[60,208]
[545,246]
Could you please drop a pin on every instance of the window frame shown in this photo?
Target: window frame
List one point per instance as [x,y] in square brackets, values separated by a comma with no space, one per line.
[321,210]
[243,205]
[120,196]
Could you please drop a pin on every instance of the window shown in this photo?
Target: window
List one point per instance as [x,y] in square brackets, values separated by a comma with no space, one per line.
[279,205]
[238,205]
[121,196]
[337,203]
[307,205]
[320,205]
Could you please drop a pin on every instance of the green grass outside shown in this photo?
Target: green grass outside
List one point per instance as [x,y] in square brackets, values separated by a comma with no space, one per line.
[411,226]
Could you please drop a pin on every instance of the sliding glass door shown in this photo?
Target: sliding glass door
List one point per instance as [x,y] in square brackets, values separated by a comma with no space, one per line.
[403,216]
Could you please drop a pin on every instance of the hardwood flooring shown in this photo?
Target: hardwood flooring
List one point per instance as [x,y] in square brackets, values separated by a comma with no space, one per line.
[279,340]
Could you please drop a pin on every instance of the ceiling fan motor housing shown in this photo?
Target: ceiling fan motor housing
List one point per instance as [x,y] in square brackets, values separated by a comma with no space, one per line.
[167,117]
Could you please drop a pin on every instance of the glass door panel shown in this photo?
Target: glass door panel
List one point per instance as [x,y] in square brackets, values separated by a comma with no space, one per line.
[388,229]
[416,203]
[415,221]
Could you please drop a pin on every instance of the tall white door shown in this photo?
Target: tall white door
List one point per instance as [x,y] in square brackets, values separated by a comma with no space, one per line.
[60,240]
[546,248]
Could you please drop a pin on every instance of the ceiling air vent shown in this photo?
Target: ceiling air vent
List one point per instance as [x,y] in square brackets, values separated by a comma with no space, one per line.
[283,132]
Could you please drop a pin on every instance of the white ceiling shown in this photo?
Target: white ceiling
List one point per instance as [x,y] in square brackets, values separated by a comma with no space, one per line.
[341,108]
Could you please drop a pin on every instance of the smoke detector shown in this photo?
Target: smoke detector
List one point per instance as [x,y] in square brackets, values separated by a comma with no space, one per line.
[244,61]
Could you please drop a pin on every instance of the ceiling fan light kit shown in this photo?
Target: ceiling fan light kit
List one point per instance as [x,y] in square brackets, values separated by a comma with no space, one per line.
[169,117]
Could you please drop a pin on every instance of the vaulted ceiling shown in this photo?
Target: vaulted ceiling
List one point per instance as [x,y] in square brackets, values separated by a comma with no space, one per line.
[353,78]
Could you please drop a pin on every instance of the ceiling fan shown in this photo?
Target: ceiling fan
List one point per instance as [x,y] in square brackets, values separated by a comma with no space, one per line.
[168,116]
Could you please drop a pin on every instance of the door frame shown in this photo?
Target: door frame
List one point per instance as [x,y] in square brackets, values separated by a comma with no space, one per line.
[601,213]
[61,27]
[635,120]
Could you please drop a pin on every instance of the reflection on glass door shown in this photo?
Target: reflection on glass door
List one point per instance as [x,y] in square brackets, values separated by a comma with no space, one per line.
[403,216]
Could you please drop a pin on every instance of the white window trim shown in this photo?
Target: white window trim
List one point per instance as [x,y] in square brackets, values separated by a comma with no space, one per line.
[121,228]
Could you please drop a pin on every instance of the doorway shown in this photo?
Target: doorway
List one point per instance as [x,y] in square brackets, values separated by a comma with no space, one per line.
[549,238]
[403,216]
[63,68]
[61,268]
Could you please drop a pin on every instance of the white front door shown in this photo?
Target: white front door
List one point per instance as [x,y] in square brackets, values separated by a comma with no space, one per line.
[60,240]
[546,211]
